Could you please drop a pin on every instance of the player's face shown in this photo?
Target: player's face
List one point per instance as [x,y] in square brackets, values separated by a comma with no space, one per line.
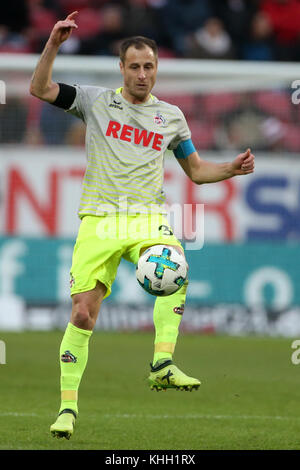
[139,71]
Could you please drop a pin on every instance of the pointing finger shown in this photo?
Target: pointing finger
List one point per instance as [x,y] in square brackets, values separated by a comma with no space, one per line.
[71,15]
[68,24]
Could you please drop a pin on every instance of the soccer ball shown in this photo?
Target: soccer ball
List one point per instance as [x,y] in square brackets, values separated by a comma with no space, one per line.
[161,270]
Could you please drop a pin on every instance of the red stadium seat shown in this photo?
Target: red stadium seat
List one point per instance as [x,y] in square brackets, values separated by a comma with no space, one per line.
[215,104]
[89,23]
[42,21]
[15,49]
[185,102]
[165,53]
[203,134]
[275,103]
[291,138]
[72,5]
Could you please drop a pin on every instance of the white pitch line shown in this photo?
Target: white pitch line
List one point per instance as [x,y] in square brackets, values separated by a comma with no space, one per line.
[196,416]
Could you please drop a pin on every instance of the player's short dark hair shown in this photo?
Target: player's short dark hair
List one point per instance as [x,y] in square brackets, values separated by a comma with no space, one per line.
[139,42]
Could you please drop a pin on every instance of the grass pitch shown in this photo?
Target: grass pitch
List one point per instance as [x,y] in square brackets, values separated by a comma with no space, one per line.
[249,397]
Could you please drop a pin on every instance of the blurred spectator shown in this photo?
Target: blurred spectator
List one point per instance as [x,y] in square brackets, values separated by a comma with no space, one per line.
[111,33]
[13,27]
[243,127]
[15,15]
[247,29]
[54,5]
[210,41]
[284,20]
[236,16]
[273,131]
[165,44]
[89,23]
[183,17]
[42,20]
[67,6]
[142,19]
[259,45]
[12,42]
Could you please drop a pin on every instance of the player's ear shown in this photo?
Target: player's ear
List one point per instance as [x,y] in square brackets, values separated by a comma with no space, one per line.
[121,67]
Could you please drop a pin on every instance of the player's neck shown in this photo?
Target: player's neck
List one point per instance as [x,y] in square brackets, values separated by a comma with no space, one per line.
[133,99]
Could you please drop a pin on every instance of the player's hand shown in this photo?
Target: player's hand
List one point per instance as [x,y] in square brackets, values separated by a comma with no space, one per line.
[243,164]
[62,30]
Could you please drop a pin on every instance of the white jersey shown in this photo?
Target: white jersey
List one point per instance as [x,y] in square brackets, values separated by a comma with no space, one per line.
[125,146]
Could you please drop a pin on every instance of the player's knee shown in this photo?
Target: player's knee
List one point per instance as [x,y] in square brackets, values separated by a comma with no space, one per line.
[82,316]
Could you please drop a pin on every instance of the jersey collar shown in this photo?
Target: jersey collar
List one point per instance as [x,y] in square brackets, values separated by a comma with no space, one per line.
[152,98]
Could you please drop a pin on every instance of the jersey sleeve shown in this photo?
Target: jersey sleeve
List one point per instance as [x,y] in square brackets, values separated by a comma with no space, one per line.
[183,131]
[84,100]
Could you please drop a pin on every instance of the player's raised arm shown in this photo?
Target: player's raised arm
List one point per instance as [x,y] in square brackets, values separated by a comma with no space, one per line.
[201,171]
[41,84]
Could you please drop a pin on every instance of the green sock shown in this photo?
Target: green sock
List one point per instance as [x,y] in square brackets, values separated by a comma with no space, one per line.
[73,360]
[167,316]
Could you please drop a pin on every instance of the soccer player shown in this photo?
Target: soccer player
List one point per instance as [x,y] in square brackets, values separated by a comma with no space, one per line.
[128,131]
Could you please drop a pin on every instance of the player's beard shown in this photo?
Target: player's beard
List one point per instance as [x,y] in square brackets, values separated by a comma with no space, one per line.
[138,93]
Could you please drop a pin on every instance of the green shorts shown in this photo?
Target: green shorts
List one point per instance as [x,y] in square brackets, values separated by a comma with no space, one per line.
[103,240]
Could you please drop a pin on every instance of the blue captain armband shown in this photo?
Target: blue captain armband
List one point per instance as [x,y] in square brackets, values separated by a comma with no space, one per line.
[184,149]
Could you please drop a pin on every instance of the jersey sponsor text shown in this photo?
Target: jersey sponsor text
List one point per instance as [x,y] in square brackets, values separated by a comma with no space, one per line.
[134,135]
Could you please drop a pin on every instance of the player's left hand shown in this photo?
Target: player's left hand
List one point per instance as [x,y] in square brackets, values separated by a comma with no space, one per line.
[243,164]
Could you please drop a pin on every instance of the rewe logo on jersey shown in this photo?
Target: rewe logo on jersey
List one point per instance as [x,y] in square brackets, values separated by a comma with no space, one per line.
[134,135]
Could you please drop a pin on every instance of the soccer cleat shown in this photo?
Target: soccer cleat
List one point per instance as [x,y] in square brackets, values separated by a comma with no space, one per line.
[64,425]
[166,375]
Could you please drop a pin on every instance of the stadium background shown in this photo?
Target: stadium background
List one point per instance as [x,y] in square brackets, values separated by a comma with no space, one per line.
[233,68]
[245,277]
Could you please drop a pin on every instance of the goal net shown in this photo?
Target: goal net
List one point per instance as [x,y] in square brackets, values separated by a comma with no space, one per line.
[227,104]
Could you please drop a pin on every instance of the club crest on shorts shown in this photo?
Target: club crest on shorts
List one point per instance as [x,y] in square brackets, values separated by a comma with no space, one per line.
[159,119]
[67,356]
[179,310]
[72,280]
